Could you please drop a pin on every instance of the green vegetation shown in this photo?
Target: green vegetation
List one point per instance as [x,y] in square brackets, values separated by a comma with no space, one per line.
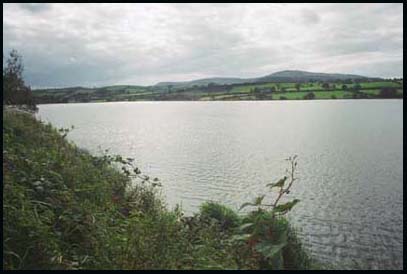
[15,91]
[225,216]
[66,209]
[346,89]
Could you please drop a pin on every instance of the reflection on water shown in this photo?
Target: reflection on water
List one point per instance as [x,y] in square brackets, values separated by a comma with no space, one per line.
[350,162]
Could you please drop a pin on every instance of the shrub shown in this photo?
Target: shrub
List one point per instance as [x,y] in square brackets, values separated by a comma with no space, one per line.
[264,235]
[309,96]
[388,92]
[224,215]
[359,95]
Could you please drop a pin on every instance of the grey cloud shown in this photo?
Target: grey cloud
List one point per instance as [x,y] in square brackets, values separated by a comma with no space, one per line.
[89,44]
[35,7]
[310,17]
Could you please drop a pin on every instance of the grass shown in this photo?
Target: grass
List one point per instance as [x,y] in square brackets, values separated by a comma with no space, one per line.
[379,84]
[318,94]
[249,87]
[66,209]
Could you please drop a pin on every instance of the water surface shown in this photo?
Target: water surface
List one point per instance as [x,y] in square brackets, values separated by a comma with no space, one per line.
[350,162]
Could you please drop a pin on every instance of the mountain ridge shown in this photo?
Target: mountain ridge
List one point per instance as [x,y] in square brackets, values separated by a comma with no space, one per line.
[279,76]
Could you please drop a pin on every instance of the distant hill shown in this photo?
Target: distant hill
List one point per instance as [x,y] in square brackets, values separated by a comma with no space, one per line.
[206,81]
[281,76]
[302,76]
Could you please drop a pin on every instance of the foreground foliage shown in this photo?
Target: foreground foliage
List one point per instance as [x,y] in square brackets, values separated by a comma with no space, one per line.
[66,209]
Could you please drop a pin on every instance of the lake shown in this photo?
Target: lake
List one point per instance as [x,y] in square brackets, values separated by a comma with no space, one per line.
[350,162]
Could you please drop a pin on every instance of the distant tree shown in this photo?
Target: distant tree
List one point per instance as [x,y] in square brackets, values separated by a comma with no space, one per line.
[256,90]
[309,96]
[169,88]
[333,96]
[297,86]
[359,95]
[260,96]
[228,88]
[325,85]
[283,98]
[344,87]
[356,87]
[15,92]
[388,92]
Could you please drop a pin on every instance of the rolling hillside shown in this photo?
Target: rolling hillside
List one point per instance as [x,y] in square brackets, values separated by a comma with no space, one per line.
[281,76]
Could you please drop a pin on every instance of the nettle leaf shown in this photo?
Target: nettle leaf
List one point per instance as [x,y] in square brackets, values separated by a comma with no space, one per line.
[269,250]
[280,183]
[285,207]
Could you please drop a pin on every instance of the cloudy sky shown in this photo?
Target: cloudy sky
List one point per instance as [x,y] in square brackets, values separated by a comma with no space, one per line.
[107,44]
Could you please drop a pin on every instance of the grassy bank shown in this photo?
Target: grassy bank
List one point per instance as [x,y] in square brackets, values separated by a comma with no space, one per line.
[66,209]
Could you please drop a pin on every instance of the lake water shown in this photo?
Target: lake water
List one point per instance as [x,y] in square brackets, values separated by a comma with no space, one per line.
[350,162]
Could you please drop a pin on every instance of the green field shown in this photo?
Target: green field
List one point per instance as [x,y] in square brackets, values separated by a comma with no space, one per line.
[339,94]
[380,84]
[245,91]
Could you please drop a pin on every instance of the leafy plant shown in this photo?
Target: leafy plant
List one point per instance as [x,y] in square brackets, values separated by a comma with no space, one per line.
[226,217]
[264,233]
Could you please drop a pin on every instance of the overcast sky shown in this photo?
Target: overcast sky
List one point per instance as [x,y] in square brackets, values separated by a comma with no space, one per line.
[107,44]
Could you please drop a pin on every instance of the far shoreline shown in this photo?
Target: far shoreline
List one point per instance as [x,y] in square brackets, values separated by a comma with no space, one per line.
[278,100]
